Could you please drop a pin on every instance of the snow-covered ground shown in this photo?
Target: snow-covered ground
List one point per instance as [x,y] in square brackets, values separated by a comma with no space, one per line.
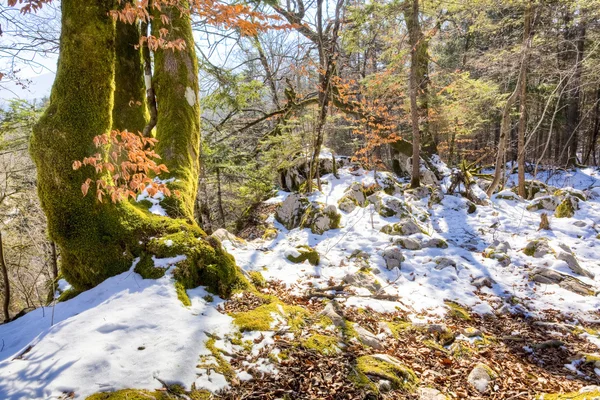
[127,331]
[421,286]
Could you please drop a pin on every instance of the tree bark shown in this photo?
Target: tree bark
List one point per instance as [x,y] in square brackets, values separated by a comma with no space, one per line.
[523,100]
[411,14]
[178,127]
[3,266]
[129,110]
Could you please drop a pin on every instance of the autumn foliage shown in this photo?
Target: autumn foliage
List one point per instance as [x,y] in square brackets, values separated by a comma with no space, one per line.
[123,167]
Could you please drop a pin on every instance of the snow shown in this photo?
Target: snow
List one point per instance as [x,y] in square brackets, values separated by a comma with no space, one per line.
[122,333]
[128,331]
[420,286]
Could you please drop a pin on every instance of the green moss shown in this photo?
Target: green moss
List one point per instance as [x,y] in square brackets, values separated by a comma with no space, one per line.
[371,369]
[398,328]
[270,234]
[457,311]
[68,294]
[306,253]
[145,267]
[257,279]
[223,368]
[128,394]
[432,344]
[263,317]
[206,263]
[471,207]
[129,110]
[322,344]
[461,350]
[571,396]
[567,193]
[178,128]
[182,294]
[565,209]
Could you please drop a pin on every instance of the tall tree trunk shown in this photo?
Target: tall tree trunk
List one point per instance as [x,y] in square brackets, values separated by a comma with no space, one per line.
[411,14]
[98,240]
[178,126]
[129,110]
[523,99]
[6,282]
[54,260]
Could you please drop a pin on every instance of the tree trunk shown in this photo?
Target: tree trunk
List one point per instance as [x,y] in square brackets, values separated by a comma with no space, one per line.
[129,110]
[411,14]
[178,126]
[54,260]
[3,266]
[523,100]
[98,240]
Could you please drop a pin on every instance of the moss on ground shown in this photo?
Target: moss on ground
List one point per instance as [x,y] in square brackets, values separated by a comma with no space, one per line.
[145,267]
[224,368]
[257,279]
[322,344]
[138,394]
[400,376]
[457,311]
[68,294]
[306,253]
[182,294]
[263,317]
[571,396]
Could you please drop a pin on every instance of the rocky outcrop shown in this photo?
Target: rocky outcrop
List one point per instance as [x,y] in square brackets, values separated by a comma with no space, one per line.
[389,206]
[566,254]
[290,212]
[538,248]
[549,276]
[294,176]
[393,257]
[405,227]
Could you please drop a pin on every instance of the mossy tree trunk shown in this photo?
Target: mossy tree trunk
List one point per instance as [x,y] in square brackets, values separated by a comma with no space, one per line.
[98,240]
[130,111]
[178,127]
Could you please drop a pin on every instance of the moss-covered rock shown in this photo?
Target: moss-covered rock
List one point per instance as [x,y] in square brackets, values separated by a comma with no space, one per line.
[566,209]
[145,267]
[320,218]
[497,255]
[538,248]
[405,227]
[257,279]
[291,211]
[304,253]
[373,368]
[591,394]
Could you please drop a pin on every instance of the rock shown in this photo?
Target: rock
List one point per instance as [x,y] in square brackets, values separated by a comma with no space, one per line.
[471,207]
[430,394]
[569,258]
[535,189]
[367,338]
[436,197]
[538,248]
[408,243]
[224,234]
[441,333]
[378,367]
[471,332]
[580,224]
[290,212]
[363,280]
[483,281]
[428,178]
[405,227]
[507,194]
[303,253]
[504,247]
[548,276]
[417,193]
[566,209]
[356,192]
[481,378]
[443,262]
[570,192]
[292,177]
[544,203]
[347,204]
[336,319]
[436,242]
[494,254]
[320,218]
[393,257]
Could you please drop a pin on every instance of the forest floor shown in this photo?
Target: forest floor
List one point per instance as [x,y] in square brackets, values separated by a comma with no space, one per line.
[477,303]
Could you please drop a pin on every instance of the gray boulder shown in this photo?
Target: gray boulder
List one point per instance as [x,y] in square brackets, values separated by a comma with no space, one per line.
[405,227]
[393,257]
[409,243]
[290,212]
[481,378]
